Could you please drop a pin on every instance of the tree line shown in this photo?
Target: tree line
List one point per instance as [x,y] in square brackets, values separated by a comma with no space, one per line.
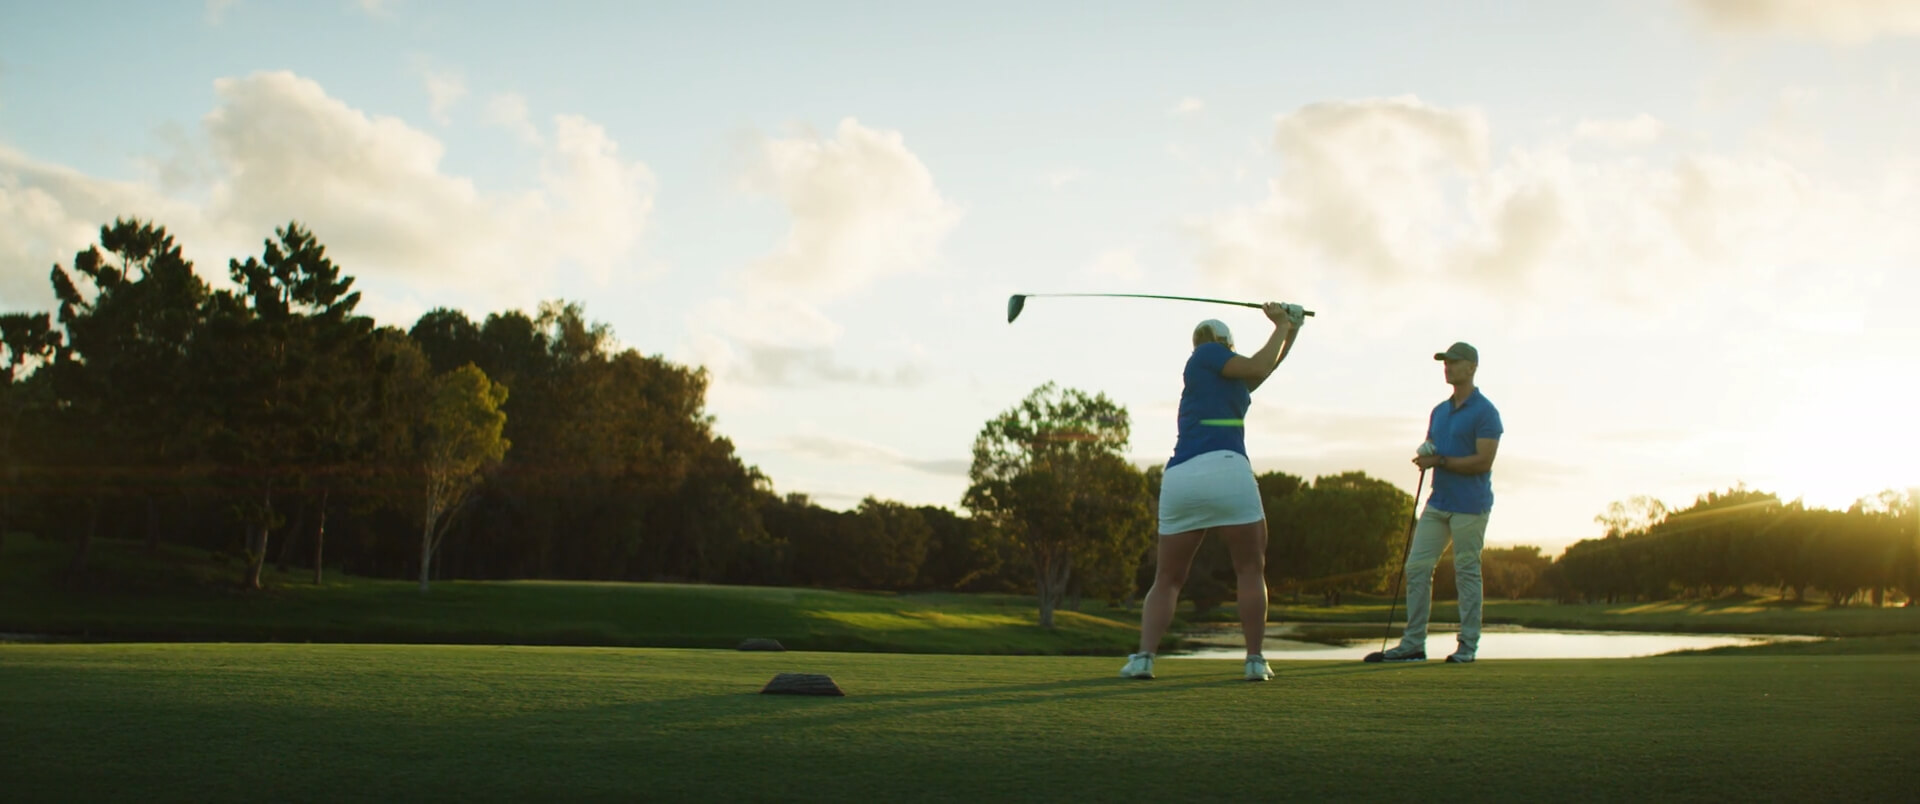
[271,420]
[1740,539]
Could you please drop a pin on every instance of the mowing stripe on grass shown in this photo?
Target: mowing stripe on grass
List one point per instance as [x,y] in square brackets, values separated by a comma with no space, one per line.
[299,722]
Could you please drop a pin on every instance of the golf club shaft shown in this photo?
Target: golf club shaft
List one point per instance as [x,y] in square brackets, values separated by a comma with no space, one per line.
[1412,520]
[1255,305]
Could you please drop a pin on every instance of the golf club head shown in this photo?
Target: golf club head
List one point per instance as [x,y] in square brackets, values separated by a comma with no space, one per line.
[1014,304]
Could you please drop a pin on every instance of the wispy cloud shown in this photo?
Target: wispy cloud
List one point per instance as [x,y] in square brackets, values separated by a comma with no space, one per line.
[1057,179]
[1838,21]
[1640,129]
[1119,264]
[1187,106]
[509,111]
[444,89]
[783,366]
[216,10]
[847,450]
[767,340]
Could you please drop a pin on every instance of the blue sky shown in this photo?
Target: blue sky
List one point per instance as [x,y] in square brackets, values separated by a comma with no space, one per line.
[1680,232]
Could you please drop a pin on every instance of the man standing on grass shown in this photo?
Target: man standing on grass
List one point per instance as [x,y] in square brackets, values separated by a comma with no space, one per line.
[1465,432]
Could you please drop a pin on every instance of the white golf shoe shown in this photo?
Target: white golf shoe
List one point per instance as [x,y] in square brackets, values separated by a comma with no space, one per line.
[1257,669]
[1139,665]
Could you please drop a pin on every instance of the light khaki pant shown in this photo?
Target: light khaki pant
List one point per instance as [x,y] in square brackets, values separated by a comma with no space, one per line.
[1468,532]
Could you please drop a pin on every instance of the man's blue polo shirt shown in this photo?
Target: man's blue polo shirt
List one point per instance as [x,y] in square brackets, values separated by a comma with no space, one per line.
[1212,407]
[1455,433]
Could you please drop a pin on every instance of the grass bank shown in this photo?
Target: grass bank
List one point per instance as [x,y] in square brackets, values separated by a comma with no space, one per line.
[182,595]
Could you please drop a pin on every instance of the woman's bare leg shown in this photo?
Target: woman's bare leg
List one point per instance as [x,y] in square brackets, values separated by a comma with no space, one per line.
[1248,545]
[1176,558]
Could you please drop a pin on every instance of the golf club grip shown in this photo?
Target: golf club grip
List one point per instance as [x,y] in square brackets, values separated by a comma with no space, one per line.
[1258,305]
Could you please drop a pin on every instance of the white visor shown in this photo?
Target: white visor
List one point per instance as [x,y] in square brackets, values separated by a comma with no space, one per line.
[1218,329]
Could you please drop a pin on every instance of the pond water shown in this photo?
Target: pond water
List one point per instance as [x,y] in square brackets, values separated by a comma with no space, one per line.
[1347,641]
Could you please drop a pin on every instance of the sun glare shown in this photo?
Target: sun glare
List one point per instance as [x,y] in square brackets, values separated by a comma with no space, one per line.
[1836,447]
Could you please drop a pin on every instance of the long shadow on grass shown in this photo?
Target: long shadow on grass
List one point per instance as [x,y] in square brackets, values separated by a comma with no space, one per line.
[741,711]
[752,710]
[1281,673]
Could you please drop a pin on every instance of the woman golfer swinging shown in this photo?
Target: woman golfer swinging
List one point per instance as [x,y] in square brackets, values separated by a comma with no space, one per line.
[1209,484]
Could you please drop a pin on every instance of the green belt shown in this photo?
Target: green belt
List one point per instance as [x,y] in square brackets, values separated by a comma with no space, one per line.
[1223,422]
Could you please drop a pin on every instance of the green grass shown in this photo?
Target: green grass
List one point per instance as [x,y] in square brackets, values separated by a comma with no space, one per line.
[440,723]
[1847,646]
[190,595]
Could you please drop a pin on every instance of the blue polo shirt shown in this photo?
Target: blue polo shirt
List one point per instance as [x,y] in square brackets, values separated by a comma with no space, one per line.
[1454,433]
[1212,408]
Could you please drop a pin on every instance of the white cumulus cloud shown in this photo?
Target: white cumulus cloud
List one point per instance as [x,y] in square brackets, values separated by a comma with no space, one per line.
[862,207]
[1363,188]
[279,148]
[49,212]
[1408,196]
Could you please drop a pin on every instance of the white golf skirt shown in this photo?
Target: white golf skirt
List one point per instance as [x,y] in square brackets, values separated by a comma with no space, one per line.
[1209,490]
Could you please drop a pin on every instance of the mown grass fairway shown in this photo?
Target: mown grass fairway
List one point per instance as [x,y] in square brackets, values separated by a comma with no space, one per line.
[179,594]
[189,595]
[412,723]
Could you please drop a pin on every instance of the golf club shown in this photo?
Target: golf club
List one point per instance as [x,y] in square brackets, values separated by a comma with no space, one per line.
[1018,301]
[1412,519]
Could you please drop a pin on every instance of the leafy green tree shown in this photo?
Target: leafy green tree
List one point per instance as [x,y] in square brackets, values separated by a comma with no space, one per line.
[280,384]
[890,545]
[28,340]
[610,443]
[459,440]
[1783,543]
[450,340]
[1049,476]
[1696,548]
[517,528]
[1599,569]
[1337,535]
[1634,515]
[715,514]
[379,468]
[1106,565]
[1514,572]
[959,556]
[128,313]
[1886,532]
[1906,557]
[814,538]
